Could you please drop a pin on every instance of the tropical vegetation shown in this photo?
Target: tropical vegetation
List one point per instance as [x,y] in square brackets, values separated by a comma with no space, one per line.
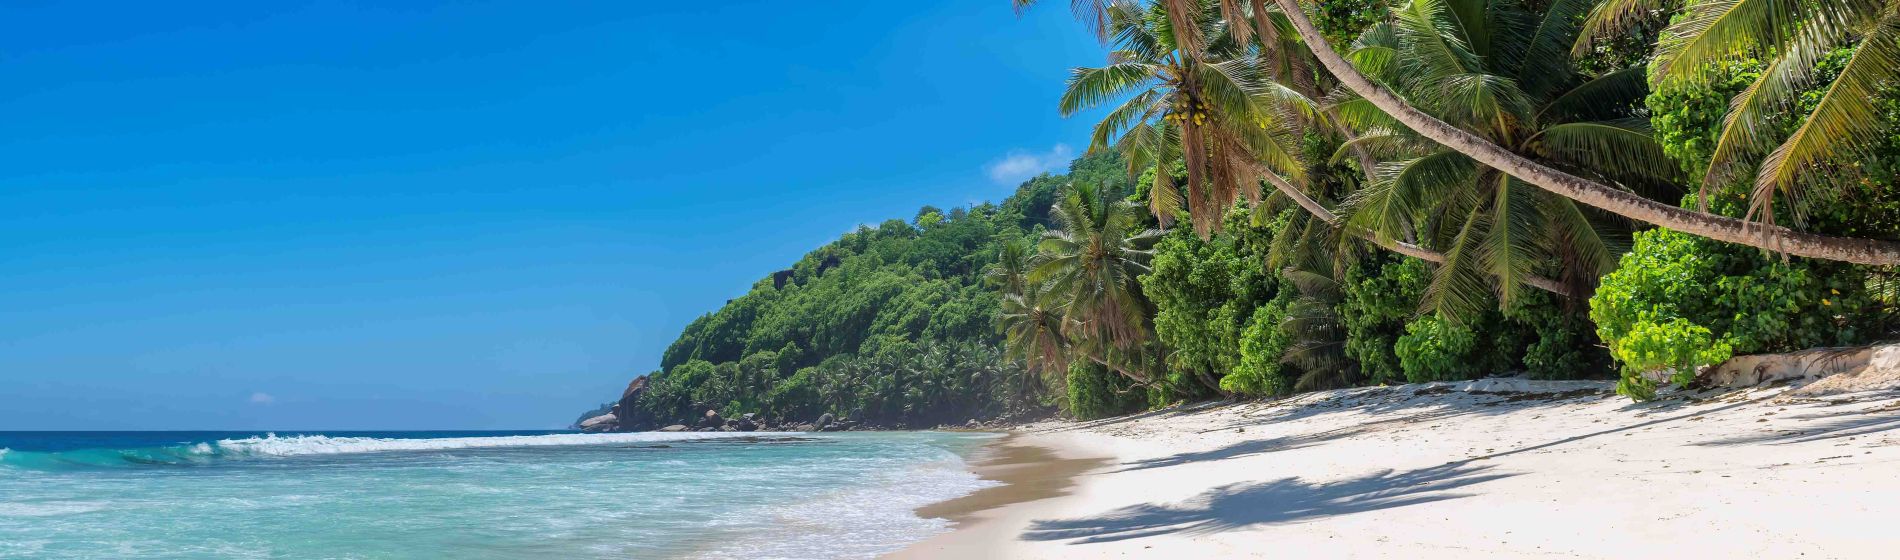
[1282,197]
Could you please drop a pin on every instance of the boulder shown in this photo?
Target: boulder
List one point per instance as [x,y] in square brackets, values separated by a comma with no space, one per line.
[623,410]
[712,420]
[805,428]
[973,424]
[746,423]
[674,428]
[825,420]
[602,423]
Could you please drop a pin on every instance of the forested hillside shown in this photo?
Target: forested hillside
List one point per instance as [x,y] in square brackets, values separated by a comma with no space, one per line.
[892,325]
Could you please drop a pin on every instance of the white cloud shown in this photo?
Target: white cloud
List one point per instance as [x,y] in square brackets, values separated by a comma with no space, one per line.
[1019,165]
[262,398]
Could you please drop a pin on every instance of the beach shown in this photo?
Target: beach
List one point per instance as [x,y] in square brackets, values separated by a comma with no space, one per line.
[1495,468]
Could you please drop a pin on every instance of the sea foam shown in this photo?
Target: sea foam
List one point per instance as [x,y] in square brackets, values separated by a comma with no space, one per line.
[273,445]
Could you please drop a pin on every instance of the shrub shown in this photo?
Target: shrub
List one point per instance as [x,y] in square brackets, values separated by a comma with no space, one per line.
[1261,346]
[1095,392]
[1381,293]
[1676,345]
[1433,349]
[1746,301]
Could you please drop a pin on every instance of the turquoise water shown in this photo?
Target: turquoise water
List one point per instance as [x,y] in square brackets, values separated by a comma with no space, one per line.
[473,496]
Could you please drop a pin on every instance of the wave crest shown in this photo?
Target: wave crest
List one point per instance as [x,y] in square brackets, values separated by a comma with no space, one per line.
[273,445]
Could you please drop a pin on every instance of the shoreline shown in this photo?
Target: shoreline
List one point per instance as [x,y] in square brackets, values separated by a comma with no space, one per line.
[1032,468]
[1496,468]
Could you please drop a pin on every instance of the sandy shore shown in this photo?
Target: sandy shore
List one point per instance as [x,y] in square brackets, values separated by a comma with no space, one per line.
[1493,469]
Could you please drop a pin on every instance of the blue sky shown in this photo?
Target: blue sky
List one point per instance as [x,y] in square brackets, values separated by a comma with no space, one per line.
[381,215]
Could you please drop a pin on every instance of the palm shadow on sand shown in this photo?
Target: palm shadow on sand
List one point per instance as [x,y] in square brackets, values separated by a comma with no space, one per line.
[1288,500]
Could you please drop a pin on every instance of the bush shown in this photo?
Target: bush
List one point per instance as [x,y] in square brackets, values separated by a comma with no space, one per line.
[1381,294]
[1565,345]
[1259,372]
[1676,345]
[1433,349]
[1672,286]
[1095,392]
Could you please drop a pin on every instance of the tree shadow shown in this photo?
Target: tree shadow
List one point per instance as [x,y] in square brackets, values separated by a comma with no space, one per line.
[1444,402]
[1242,449]
[1830,426]
[1288,500]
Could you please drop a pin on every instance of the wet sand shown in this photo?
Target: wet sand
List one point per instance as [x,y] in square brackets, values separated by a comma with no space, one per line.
[1028,472]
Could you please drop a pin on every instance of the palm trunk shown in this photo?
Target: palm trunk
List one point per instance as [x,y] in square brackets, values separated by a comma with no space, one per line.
[1623,203]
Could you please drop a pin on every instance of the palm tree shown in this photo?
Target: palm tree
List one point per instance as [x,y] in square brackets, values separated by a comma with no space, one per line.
[1089,270]
[1273,105]
[1193,93]
[1032,331]
[1804,147]
[1507,78]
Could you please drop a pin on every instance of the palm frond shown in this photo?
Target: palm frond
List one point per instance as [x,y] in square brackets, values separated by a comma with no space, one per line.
[1841,125]
[1090,87]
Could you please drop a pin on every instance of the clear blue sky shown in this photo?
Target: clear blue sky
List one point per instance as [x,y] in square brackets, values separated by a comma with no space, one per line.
[382,215]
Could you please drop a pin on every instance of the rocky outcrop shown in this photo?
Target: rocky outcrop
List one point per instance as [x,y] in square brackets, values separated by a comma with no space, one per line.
[602,423]
[1839,370]
[628,419]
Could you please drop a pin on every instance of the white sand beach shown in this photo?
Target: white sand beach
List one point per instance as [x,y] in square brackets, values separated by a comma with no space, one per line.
[1488,469]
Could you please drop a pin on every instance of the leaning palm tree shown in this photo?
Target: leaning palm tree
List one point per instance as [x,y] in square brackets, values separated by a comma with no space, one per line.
[1193,93]
[1506,78]
[1089,270]
[1803,148]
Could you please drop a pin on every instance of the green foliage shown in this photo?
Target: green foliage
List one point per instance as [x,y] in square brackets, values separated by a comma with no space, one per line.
[1262,346]
[1686,117]
[1381,295]
[1564,343]
[1676,345]
[893,324]
[1433,349]
[1095,392]
[1747,301]
[1341,21]
[1205,294]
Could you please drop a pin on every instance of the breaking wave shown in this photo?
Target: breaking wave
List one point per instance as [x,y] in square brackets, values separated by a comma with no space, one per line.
[272,445]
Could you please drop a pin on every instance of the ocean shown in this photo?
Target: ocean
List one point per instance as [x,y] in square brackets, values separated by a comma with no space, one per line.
[474,495]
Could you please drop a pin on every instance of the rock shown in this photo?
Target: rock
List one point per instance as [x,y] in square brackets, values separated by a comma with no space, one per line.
[602,423]
[623,410]
[712,420]
[728,429]
[825,420]
[805,428]
[746,423]
[973,424]
[674,428]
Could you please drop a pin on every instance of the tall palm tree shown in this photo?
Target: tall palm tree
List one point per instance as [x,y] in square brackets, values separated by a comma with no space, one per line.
[1507,78]
[1089,270]
[1194,94]
[1032,330]
[1629,204]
